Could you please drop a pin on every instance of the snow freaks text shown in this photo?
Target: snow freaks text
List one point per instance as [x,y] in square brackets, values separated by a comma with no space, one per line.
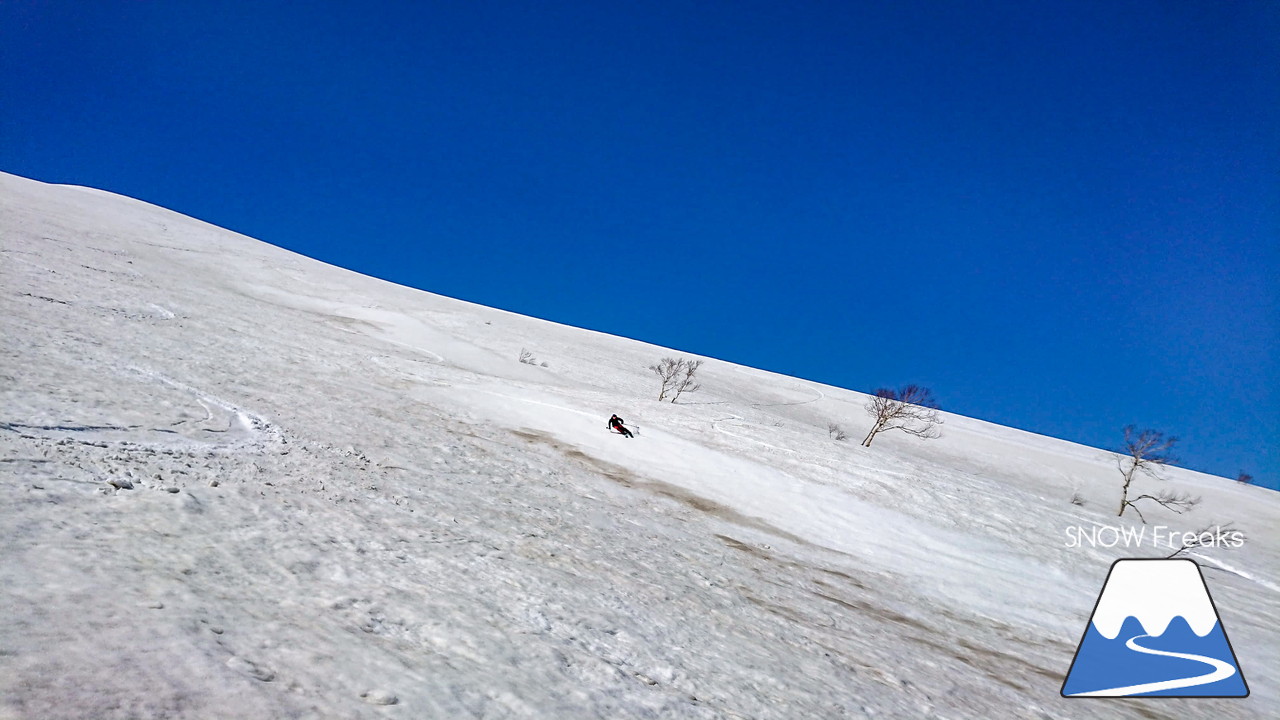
[1109,536]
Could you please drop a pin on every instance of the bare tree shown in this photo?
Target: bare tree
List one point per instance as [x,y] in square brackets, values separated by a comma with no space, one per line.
[1147,451]
[911,409]
[677,377]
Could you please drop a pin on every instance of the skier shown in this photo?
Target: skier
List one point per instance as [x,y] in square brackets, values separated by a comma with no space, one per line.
[615,424]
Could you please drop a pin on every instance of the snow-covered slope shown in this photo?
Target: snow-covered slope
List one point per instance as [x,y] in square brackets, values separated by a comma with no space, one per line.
[350,499]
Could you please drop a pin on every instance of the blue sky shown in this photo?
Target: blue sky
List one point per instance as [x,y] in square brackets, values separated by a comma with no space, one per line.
[1063,217]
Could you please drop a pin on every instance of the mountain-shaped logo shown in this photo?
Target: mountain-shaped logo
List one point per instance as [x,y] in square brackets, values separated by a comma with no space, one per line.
[1155,633]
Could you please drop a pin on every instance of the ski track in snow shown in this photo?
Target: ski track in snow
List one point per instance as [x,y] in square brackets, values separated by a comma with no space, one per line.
[717,424]
[225,427]
[435,356]
[1236,571]
[820,397]
[257,431]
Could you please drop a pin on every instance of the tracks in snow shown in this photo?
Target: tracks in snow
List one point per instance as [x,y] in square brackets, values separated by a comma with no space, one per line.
[226,427]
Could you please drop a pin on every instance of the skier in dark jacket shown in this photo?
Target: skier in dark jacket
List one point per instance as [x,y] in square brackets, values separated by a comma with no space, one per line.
[615,423]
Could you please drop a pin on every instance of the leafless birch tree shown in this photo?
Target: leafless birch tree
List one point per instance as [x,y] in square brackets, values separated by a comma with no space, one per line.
[677,377]
[1146,451]
[910,409]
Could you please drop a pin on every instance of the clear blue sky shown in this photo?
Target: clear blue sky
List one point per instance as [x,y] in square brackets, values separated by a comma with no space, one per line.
[1063,217]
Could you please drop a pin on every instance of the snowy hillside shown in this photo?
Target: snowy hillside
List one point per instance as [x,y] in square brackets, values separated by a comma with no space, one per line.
[239,483]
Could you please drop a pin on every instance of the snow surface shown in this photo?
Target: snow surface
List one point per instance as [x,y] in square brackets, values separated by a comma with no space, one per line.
[236,482]
[1154,593]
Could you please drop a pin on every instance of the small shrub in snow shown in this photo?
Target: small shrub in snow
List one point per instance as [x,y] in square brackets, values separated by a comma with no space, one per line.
[1244,478]
[836,432]
[527,358]
[1077,499]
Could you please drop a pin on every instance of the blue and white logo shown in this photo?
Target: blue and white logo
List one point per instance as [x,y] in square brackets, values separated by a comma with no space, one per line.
[1155,633]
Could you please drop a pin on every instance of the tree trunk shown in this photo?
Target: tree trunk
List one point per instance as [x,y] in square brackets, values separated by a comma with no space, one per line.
[866,442]
[1124,493]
